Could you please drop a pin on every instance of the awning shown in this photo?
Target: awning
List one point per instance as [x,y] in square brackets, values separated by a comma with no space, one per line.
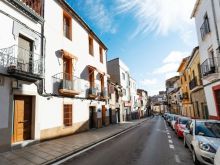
[68,55]
[94,68]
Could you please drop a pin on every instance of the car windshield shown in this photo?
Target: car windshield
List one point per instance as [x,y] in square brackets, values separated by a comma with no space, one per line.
[183,121]
[209,129]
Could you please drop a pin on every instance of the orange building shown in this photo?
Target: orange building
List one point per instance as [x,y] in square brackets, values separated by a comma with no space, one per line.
[185,104]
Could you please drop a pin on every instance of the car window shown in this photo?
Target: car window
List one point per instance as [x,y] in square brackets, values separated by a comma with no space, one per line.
[183,121]
[209,129]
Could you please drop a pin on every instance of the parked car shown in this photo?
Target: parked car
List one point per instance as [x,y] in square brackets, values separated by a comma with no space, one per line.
[203,139]
[174,120]
[180,125]
[169,119]
[217,157]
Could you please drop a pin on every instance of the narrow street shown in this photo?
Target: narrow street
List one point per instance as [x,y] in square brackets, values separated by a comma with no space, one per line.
[149,143]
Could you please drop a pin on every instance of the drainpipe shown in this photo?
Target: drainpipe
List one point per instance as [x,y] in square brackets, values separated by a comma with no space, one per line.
[216,26]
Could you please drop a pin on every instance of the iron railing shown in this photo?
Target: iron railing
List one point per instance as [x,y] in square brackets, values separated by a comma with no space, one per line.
[104,93]
[210,66]
[66,81]
[16,58]
[193,83]
[93,91]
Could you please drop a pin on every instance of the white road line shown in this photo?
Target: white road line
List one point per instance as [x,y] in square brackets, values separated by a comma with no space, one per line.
[177,159]
[168,133]
[171,146]
[170,141]
[169,137]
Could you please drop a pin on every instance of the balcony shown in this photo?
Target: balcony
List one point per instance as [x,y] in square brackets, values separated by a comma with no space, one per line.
[193,83]
[103,94]
[210,66]
[21,63]
[92,93]
[32,8]
[66,84]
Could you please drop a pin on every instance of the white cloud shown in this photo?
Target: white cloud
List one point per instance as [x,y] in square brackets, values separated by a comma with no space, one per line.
[166,68]
[100,14]
[161,16]
[175,57]
[146,82]
[171,63]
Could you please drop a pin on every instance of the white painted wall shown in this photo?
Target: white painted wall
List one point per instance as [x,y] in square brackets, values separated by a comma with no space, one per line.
[210,42]
[4,103]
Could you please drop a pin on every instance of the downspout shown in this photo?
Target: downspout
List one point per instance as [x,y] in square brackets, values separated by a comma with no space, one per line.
[216,26]
[41,86]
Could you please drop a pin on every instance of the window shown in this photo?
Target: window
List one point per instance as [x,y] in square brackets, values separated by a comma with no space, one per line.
[91,51]
[205,29]
[67,26]
[67,115]
[101,54]
[123,76]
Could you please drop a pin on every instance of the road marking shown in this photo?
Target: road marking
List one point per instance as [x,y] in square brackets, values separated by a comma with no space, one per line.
[171,146]
[168,133]
[177,159]
[170,141]
[169,137]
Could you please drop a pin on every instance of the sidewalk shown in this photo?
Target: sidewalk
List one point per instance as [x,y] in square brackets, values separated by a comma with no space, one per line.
[50,151]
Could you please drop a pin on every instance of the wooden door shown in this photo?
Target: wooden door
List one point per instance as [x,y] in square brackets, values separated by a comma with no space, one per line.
[103,115]
[217,97]
[22,118]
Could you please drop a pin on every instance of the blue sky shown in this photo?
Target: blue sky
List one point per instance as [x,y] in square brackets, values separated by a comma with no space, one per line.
[150,36]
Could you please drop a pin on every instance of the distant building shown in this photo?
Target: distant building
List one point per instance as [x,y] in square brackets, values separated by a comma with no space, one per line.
[120,75]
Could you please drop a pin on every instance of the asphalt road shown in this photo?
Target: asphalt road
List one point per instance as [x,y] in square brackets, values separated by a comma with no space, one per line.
[148,144]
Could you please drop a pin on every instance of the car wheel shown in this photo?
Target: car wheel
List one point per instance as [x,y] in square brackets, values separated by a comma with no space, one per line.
[184,142]
[195,160]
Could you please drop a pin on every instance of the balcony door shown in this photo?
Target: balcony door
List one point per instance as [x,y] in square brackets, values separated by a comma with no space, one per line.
[67,69]
[25,56]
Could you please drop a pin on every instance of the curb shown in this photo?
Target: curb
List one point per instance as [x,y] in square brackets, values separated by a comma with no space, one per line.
[92,144]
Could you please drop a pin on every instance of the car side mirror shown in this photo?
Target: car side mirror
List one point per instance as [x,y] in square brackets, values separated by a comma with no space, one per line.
[186,131]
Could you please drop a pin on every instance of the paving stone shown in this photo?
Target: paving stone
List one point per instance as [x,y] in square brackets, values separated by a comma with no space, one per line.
[10,155]
[21,161]
[4,161]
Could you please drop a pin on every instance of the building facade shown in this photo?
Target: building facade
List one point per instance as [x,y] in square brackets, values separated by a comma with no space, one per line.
[185,103]
[53,73]
[120,75]
[196,90]
[207,20]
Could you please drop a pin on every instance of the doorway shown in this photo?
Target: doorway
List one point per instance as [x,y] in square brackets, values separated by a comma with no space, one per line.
[103,114]
[22,118]
[92,123]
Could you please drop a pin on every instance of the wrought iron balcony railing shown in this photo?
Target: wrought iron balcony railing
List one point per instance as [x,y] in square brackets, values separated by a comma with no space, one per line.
[66,84]
[210,66]
[104,94]
[21,63]
[193,83]
[92,92]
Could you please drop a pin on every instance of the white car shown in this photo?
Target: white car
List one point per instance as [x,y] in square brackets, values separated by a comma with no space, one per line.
[217,157]
[203,139]
[173,121]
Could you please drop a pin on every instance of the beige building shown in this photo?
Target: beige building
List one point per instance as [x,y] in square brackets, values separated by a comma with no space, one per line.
[196,89]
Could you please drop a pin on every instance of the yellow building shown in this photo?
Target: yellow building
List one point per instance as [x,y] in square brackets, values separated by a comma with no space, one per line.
[196,90]
[185,100]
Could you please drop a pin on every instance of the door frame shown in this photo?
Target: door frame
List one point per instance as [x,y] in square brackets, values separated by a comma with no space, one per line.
[32,129]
